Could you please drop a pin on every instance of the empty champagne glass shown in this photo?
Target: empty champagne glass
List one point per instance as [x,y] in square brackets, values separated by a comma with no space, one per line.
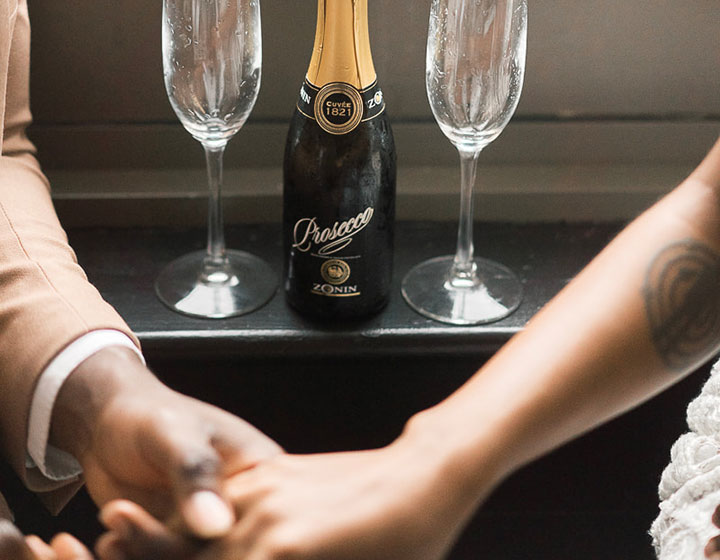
[475,67]
[212,53]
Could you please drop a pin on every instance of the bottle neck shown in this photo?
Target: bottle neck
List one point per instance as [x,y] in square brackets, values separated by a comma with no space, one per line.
[342,45]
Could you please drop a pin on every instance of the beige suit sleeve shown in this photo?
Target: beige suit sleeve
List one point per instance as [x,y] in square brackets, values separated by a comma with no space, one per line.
[46,301]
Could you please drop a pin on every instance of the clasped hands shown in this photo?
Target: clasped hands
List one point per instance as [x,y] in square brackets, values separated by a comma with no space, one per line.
[393,503]
[180,479]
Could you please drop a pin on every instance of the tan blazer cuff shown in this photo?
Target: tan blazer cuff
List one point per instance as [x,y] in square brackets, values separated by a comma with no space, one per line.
[56,500]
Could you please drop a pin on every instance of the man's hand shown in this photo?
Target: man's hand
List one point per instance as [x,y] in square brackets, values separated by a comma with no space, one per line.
[137,439]
[14,547]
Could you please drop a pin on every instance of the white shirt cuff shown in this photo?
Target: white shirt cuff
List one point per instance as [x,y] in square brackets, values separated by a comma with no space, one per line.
[54,463]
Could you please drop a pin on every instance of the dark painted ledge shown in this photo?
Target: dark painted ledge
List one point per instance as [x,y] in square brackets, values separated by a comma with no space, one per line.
[123,264]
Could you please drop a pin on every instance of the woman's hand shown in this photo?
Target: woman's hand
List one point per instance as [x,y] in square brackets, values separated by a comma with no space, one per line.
[13,546]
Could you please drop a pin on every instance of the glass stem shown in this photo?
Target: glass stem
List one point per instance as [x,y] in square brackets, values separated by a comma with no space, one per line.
[216,235]
[463,271]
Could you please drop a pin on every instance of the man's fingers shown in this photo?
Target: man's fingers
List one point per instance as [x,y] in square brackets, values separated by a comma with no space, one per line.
[41,550]
[12,543]
[241,445]
[103,488]
[68,547]
[193,466]
[109,547]
[207,515]
[141,535]
[129,520]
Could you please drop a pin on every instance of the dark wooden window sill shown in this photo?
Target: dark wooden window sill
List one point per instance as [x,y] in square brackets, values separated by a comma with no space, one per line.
[123,264]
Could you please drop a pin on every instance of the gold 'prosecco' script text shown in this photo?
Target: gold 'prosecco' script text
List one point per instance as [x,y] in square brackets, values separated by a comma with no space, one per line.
[332,239]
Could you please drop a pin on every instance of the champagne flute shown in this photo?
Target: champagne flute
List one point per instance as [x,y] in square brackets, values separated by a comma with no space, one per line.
[475,67]
[212,52]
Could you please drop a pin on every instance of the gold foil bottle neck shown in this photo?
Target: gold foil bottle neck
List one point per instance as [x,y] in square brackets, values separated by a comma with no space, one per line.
[342,45]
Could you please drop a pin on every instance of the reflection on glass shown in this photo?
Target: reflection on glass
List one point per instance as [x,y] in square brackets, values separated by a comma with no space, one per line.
[212,53]
[475,67]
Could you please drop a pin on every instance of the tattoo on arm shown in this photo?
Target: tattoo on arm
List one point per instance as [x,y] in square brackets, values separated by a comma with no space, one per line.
[682,300]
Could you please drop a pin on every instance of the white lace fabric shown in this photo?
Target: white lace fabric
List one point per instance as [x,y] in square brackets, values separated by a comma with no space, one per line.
[690,485]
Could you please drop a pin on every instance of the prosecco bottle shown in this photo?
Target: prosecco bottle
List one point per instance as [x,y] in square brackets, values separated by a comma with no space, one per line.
[339,176]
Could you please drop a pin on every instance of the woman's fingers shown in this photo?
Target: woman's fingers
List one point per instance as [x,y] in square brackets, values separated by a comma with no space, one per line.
[140,535]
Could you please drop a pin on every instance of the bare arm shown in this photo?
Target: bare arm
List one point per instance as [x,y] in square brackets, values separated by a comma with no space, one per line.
[133,436]
[644,313]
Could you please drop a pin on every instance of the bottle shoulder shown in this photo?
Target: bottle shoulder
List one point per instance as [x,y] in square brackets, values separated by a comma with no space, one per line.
[339,108]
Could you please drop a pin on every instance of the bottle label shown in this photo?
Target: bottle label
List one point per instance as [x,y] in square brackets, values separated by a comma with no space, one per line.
[339,107]
[335,273]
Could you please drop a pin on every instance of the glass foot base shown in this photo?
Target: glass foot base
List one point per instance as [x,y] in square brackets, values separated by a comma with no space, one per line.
[494,293]
[195,286]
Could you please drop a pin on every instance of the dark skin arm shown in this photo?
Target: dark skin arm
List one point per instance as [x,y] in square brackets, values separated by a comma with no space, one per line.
[137,439]
[643,314]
